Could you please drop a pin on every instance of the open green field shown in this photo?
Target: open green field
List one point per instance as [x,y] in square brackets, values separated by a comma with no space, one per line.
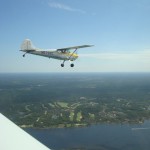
[62,104]
[79,116]
[71,116]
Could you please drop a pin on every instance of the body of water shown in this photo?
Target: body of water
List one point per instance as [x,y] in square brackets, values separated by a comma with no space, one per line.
[96,137]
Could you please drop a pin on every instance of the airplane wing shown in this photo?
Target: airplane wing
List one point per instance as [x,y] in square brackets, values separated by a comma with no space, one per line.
[74,47]
[14,138]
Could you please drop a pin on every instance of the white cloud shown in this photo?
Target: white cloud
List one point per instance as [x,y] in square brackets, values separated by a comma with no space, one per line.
[129,62]
[64,7]
[134,56]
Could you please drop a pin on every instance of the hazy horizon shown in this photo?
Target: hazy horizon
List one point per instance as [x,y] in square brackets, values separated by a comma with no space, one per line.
[119,31]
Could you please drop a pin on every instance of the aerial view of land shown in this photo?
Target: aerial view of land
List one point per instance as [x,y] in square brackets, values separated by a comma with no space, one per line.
[75,99]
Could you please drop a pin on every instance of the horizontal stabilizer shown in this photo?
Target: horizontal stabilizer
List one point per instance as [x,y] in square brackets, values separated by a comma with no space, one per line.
[28,51]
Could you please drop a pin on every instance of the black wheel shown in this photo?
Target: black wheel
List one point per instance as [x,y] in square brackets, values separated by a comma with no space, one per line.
[72,65]
[62,65]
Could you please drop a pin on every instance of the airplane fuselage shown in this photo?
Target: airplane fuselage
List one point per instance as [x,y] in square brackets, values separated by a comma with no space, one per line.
[55,54]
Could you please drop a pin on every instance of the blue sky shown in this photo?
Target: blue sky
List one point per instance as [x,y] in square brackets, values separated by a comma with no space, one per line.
[119,29]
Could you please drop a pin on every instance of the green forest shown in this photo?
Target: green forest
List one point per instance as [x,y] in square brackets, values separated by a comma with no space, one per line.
[75,99]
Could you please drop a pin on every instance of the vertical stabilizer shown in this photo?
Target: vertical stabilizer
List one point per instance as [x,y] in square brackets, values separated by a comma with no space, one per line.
[27,45]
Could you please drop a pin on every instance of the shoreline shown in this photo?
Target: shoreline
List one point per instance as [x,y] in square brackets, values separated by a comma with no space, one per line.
[60,126]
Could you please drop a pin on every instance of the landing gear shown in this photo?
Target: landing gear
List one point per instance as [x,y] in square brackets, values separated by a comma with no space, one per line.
[71,65]
[24,54]
[62,65]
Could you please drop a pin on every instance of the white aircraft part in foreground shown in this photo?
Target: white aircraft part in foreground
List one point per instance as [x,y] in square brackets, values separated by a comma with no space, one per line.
[14,138]
[61,54]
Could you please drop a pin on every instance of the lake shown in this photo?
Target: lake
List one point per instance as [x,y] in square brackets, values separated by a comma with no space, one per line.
[96,137]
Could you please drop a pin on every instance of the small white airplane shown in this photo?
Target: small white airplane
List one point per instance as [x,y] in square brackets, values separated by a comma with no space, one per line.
[61,53]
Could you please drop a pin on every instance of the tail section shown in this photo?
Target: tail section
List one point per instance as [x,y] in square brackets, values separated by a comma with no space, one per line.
[27,45]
